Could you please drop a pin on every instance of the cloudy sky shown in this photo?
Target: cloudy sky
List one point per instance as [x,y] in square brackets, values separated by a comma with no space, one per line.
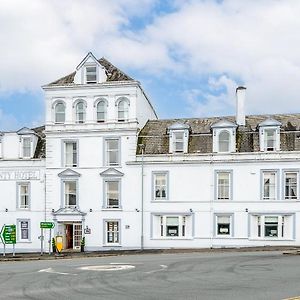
[188,54]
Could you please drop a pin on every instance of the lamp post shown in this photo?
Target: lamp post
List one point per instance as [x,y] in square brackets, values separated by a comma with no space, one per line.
[142,147]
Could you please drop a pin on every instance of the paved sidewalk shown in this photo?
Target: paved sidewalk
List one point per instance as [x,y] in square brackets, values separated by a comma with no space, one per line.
[73,254]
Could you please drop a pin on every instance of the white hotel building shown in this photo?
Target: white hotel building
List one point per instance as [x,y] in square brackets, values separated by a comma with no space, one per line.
[105,167]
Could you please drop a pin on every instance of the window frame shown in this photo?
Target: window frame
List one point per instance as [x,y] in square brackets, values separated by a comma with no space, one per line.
[55,112]
[77,112]
[64,153]
[64,181]
[105,191]
[19,233]
[18,188]
[157,173]
[230,188]
[105,152]
[105,232]
[263,141]
[118,102]
[284,172]
[231,225]
[276,188]
[95,73]
[229,140]
[97,102]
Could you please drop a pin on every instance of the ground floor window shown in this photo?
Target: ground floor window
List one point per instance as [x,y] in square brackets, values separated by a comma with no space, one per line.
[223,225]
[23,227]
[171,226]
[271,226]
[112,232]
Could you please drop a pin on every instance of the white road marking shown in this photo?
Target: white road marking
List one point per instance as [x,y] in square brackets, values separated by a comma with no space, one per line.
[163,267]
[50,270]
[107,268]
[125,263]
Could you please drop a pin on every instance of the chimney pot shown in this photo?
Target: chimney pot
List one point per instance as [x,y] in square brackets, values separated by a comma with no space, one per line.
[240,105]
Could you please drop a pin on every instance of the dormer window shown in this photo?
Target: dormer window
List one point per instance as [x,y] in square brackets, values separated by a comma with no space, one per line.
[269,135]
[26,147]
[91,74]
[178,138]
[224,136]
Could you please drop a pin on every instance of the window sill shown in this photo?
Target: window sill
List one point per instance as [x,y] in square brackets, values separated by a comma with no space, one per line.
[223,236]
[160,200]
[112,209]
[112,245]
[172,238]
[24,242]
[271,239]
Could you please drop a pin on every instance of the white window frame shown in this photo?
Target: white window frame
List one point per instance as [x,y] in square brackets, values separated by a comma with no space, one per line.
[94,74]
[284,176]
[1,145]
[263,141]
[276,185]
[183,231]
[105,105]
[19,231]
[107,151]
[173,140]
[65,205]
[62,113]
[229,141]
[230,185]
[106,231]
[231,225]
[19,195]
[64,154]
[154,177]
[125,110]
[106,183]
[78,119]
[23,139]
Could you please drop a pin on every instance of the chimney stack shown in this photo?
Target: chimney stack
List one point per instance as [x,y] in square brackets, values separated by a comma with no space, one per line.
[240,105]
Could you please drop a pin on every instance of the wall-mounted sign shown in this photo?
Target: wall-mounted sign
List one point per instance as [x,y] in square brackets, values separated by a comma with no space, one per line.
[87,230]
[19,174]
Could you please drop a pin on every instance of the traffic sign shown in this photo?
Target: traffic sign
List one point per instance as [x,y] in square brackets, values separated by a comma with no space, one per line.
[8,234]
[47,225]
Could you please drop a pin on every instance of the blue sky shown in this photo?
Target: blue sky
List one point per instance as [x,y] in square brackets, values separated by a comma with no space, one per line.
[189,55]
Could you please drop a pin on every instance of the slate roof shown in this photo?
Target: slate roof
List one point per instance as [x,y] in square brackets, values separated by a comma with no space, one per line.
[156,138]
[112,72]
[40,151]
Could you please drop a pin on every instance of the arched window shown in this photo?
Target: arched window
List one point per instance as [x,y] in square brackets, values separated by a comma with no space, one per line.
[80,112]
[60,113]
[123,110]
[224,141]
[101,111]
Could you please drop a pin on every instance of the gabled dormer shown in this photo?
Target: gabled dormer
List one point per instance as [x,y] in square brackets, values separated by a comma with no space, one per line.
[224,133]
[269,135]
[178,138]
[27,142]
[90,71]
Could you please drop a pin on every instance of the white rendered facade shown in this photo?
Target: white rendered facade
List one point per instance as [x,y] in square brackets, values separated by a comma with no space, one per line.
[100,181]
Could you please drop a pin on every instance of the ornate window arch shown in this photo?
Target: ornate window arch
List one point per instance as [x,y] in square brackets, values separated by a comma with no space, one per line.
[80,110]
[59,108]
[224,141]
[101,105]
[123,104]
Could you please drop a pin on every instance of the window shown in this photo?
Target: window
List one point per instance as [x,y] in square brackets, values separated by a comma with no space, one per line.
[123,110]
[269,185]
[223,185]
[112,152]
[223,225]
[26,143]
[224,141]
[60,113]
[112,194]
[271,227]
[23,230]
[70,191]
[160,186]
[270,139]
[178,137]
[172,226]
[91,74]
[101,111]
[80,112]
[23,195]
[290,185]
[178,141]
[112,229]
[71,154]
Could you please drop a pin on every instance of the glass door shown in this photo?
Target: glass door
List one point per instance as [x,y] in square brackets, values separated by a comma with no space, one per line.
[77,235]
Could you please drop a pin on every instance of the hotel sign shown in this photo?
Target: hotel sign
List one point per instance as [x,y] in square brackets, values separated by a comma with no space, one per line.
[19,174]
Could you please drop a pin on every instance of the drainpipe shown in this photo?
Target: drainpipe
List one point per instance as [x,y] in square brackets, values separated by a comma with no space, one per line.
[45,193]
[142,147]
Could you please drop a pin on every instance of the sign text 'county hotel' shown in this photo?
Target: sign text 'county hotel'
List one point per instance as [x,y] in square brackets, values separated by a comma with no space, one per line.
[19,174]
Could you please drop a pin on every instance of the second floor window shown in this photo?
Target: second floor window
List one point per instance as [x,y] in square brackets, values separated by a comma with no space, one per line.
[223,185]
[123,110]
[160,186]
[23,192]
[80,112]
[224,141]
[270,139]
[290,185]
[91,74]
[26,147]
[178,141]
[112,196]
[112,152]
[101,111]
[70,191]
[71,154]
[59,113]
[269,185]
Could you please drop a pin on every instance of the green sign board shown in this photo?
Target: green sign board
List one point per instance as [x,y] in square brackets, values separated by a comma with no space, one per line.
[8,234]
[47,225]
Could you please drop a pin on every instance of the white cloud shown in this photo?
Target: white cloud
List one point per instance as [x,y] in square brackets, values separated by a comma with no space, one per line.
[7,121]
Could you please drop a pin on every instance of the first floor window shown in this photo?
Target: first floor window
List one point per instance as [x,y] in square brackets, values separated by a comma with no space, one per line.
[291,185]
[160,186]
[224,225]
[172,226]
[112,152]
[223,185]
[70,193]
[70,154]
[112,232]
[23,230]
[112,194]
[23,195]
[269,185]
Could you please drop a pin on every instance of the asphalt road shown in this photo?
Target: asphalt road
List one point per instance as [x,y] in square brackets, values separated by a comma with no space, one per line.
[259,275]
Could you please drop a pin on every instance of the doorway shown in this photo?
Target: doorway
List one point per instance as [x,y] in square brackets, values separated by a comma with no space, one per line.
[69,236]
[71,233]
